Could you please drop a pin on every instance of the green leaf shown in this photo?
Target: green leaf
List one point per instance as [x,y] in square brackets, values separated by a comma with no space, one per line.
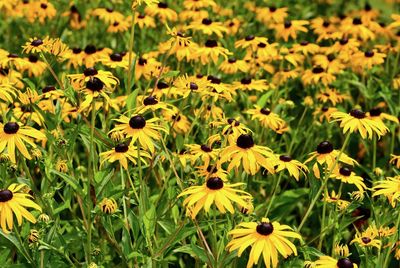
[149,220]
[17,244]
[70,181]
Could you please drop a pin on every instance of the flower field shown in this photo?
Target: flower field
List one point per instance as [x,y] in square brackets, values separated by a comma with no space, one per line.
[200,133]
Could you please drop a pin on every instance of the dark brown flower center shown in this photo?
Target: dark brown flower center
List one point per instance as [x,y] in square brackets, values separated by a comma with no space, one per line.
[231,60]
[33,58]
[76,50]
[375,111]
[212,169]
[246,81]
[366,240]
[345,171]
[90,71]
[357,114]
[344,41]
[262,45]
[137,122]
[304,43]
[121,148]
[357,21]
[211,43]
[325,147]
[326,23]
[215,183]
[90,49]
[285,158]
[95,84]
[48,89]
[162,85]
[214,79]
[344,263]
[265,111]
[317,70]
[369,54]
[36,42]
[142,61]
[206,148]
[150,101]
[193,86]
[249,38]
[116,57]
[12,55]
[287,24]
[162,5]
[272,9]
[265,228]
[11,128]
[245,141]
[206,21]
[5,195]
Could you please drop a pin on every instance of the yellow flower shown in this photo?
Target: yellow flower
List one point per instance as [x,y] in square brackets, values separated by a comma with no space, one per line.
[346,175]
[108,205]
[293,166]
[329,262]
[325,154]
[208,27]
[35,45]
[390,188]
[13,135]
[141,130]
[357,120]
[266,238]
[211,52]
[266,117]
[61,166]
[243,152]
[214,190]
[289,28]
[367,238]
[124,152]
[11,201]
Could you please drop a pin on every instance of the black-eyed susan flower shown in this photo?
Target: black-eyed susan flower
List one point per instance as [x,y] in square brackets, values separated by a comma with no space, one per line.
[346,175]
[318,75]
[324,113]
[115,60]
[244,152]
[266,117]
[80,80]
[34,66]
[306,48]
[248,84]
[335,198]
[14,135]
[232,66]
[329,262]
[108,15]
[178,121]
[211,52]
[266,238]
[144,21]
[368,238]
[357,121]
[213,191]
[14,202]
[7,92]
[377,115]
[251,42]
[390,188]
[61,166]
[289,28]
[124,152]
[326,154]
[142,130]
[272,14]
[146,103]
[332,95]
[293,166]
[33,236]
[190,84]
[108,205]
[356,28]
[198,4]
[35,45]
[368,59]
[208,27]
[204,152]
[162,11]
[212,170]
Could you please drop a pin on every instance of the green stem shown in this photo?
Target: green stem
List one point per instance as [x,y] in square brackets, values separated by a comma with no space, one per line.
[131,39]
[52,71]
[374,152]
[393,240]
[274,194]
[316,197]
[126,224]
